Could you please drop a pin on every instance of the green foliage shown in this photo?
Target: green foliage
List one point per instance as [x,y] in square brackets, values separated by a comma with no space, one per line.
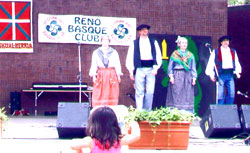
[232,2]
[158,115]
[3,116]
[238,2]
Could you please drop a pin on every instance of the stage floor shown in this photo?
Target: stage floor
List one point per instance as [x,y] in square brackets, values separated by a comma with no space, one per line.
[35,134]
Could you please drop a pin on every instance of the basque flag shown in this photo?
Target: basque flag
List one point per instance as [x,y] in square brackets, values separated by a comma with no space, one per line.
[15,18]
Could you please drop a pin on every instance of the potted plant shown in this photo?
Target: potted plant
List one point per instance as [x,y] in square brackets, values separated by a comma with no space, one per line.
[3,118]
[164,128]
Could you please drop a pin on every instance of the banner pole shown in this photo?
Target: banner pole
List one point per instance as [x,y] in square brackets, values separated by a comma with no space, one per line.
[80,72]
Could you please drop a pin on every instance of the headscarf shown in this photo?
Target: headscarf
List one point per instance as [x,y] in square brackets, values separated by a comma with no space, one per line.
[180,39]
[180,57]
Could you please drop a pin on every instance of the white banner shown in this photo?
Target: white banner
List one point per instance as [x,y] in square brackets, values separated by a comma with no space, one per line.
[85,29]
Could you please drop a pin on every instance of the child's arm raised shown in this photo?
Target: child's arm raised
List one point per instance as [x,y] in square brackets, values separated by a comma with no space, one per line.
[79,144]
[134,136]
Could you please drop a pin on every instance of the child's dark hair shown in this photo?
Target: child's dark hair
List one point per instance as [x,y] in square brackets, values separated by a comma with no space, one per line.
[103,126]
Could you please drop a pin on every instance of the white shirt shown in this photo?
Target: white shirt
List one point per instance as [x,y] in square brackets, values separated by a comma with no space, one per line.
[145,49]
[227,62]
[145,53]
[114,61]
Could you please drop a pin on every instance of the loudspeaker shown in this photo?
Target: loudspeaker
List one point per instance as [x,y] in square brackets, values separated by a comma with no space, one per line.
[15,101]
[244,112]
[221,121]
[72,119]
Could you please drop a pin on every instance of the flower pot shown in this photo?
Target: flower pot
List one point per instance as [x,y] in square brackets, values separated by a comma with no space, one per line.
[1,129]
[168,135]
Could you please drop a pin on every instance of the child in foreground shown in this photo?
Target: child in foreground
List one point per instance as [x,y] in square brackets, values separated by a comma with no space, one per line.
[104,133]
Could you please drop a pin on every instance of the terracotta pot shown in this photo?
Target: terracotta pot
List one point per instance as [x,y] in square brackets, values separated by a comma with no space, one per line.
[167,135]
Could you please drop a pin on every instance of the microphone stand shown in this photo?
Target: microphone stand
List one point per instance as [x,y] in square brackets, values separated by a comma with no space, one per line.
[217,75]
[80,72]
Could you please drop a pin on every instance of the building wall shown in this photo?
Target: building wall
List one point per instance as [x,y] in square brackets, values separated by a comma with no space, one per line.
[59,62]
[238,29]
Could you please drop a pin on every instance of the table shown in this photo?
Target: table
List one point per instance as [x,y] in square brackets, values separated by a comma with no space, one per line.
[39,92]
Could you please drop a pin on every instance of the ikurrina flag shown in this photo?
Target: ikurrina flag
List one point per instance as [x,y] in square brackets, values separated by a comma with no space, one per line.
[16,26]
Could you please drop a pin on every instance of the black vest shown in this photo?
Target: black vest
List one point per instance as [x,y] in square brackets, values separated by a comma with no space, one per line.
[218,60]
[137,55]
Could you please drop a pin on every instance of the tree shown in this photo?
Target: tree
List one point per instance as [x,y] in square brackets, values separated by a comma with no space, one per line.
[238,2]
[247,1]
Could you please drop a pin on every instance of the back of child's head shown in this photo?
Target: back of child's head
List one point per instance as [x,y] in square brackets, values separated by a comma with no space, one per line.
[103,126]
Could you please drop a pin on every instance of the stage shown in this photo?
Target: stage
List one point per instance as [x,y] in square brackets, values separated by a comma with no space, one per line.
[35,134]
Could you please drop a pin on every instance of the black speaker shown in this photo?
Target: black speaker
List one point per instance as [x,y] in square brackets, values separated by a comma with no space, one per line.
[221,121]
[72,119]
[15,101]
[244,112]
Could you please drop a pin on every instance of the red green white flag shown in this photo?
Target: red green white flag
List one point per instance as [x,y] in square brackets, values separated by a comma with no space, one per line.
[16,26]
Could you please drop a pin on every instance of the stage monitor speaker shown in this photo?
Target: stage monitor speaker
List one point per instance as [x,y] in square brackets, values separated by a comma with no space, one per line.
[221,121]
[244,112]
[72,119]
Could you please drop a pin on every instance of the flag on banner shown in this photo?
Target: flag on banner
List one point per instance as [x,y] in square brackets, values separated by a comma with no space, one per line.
[15,26]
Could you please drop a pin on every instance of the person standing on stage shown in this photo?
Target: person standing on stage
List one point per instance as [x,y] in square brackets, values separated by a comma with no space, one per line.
[227,64]
[182,73]
[143,61]
[106,71]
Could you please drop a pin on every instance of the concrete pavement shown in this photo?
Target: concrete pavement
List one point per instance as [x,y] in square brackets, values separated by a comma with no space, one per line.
[30,134]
